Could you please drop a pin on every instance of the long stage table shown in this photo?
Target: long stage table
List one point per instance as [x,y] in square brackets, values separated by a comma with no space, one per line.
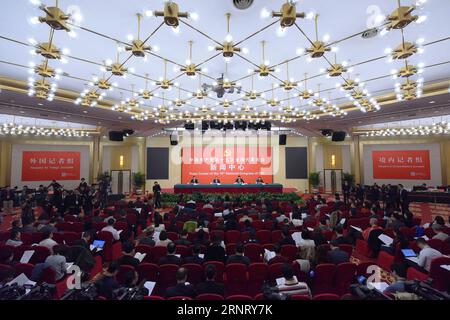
[230,188]
[433,197]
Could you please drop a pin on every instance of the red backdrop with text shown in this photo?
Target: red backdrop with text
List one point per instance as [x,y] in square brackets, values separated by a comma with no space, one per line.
[226,163]
[401,164]
[50,165]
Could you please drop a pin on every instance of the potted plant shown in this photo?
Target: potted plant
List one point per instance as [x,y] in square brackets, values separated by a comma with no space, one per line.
[138,182]
[350,178]
[314,180]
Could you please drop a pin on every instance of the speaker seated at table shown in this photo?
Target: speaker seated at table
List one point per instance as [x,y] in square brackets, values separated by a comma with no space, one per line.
[216,180]
[194,180]
[259,180]
[239,180]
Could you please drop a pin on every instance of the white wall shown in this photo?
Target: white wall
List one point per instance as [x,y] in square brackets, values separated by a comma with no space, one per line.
[435,163]
[16,163]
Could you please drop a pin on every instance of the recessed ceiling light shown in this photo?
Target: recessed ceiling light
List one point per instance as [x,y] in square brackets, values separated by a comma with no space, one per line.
[85,111]
[22,111]
[40,104]
[432,102]
[120,118]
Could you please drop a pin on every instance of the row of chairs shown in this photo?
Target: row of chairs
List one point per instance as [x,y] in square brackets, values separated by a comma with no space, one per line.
[241,297]
[240,278]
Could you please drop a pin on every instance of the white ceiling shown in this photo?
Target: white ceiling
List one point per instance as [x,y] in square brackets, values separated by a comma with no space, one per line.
[117,19]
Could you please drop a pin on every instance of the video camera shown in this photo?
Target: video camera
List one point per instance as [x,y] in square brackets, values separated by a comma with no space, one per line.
[425,291]
[362,292]
[88,291]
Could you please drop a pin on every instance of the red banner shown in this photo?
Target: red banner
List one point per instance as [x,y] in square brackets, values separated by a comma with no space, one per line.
[401,164]
[227,163]
[50,165]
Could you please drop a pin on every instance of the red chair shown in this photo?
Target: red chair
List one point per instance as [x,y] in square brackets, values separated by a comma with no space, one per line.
[435,244]
[275,271]
[445,248]
[27,238]
[111,250]
[245,235]
[184,251]
[257,274]
[37,237]
[347,248]
[264,236]
[414,274]
[4,269]
[363,248]
[230,249]
[277,235]
[385,260]
[238,297]
[172,236]
[289,251]
[304,297]
[123,269]
[218,233]
[440,276]
[48,275]
[97,268]
[236,278]
[40,254]
[268,225]
[209,297]
[345,276]
[154,298]
[220,269]
[4,235]
[259,296]
[232,236]
[326,296]
[254,252]
[148,271]
[78,227]
[361,269]
[166,277]
[195,273]
[25,268]
[180,298]
[324,278]
[158,252]
[142,248]
[258,225]
[70,237]
[328,234]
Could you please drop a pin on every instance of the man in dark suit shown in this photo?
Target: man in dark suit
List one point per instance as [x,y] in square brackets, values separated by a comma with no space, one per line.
[128,255]
[210,285]
[287,238]
[278,257]
[403,198]
[181,288]
[336,255]
[194,180]
[170,257]
[238,257]
[195,256]
[183,241]
[215,252]
[340,239]
[239,180]
[259,180]
[157,194]
[216,180]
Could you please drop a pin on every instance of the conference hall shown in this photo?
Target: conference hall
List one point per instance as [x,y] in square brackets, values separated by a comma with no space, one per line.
[233,158]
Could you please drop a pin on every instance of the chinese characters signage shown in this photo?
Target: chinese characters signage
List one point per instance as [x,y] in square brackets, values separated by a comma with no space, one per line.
[227,163]
[49,165]
[402,164]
